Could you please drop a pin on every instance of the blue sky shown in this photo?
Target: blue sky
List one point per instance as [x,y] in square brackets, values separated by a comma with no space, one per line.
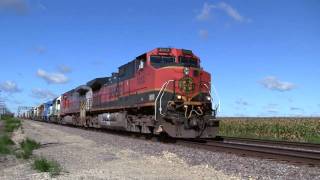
[264,56]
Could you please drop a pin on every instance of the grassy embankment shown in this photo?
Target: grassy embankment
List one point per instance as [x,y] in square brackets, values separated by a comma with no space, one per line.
[286,129]
[8,125]
[26,147]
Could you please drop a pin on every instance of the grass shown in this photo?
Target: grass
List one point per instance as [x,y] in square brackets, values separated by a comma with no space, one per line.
[8,126]
[11,123]
[287,129]
[26,148]
[44,165]
[5,144]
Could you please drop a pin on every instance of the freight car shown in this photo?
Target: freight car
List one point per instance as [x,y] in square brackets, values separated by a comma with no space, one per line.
[162,91]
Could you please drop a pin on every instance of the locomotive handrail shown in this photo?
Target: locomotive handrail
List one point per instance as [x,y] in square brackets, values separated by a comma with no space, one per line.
[164,86]
[216,93]
[160,108]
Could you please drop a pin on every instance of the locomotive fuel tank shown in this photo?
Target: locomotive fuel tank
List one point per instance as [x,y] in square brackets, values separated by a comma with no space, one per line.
[115,120]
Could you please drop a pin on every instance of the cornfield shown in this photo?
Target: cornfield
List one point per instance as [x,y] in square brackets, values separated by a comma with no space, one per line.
[286,129]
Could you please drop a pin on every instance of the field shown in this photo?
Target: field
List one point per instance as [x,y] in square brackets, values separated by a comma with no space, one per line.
[287,129]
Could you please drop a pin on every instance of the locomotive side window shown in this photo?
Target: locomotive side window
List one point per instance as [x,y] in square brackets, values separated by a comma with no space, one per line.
[140,61]
[188,61]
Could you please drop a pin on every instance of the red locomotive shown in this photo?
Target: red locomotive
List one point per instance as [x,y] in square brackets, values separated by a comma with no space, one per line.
[161,91]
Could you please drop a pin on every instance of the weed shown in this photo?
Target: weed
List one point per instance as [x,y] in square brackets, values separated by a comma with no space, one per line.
[10,124]
[5,144]
[27,146]
[44,165]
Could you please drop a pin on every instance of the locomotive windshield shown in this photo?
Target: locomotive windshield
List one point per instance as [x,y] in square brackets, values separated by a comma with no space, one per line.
[188,61]
[161,61]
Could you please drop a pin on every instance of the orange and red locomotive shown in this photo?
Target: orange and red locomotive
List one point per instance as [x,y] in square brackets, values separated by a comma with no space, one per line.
[161,91]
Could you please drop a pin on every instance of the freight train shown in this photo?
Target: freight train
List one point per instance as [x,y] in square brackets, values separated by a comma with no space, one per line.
[163,91]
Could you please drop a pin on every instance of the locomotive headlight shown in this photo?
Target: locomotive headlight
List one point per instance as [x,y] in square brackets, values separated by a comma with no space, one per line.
[186,71]
[179,97]
[208,98]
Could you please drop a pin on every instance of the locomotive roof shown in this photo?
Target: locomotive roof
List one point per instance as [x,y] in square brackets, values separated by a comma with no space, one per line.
[98,82]
[101,80]
[48,103]
[83,89]
[68,92]
[56,99]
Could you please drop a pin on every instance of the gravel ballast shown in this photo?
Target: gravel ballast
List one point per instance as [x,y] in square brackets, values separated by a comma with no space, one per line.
[86,154]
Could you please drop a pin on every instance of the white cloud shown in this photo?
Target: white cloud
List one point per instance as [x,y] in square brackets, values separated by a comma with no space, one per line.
[97,63]
[204,34]
[9,87]
[231,12]
[17,6]
[273,83]
[296,109]
[271,108]
[207,10]
[273,112]
[42,94]
[52,78]
[3,99]
[40,49]
[42,6]
[239,115]
[64,69]
[241,102]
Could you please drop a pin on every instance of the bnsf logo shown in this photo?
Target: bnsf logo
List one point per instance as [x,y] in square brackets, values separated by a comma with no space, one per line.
[186,84]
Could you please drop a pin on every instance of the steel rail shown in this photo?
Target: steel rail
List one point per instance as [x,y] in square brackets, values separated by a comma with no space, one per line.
[298,145]
[300,156]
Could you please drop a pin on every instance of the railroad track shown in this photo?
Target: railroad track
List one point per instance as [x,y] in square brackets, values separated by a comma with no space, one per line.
[291,152]
[296,145]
